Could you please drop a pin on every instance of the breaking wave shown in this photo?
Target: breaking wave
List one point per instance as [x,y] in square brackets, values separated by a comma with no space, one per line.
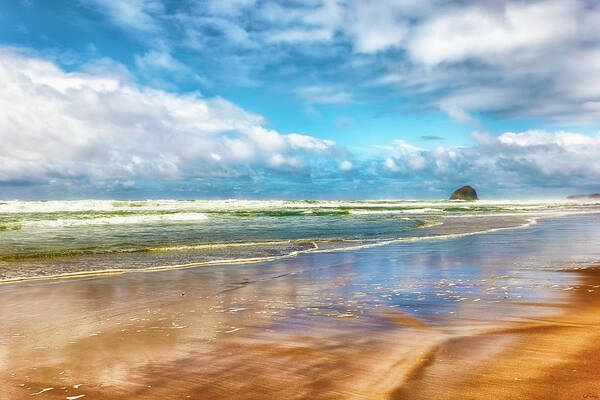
[40,238]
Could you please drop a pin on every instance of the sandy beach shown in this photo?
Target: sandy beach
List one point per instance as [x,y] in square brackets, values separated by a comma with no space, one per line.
[300,200]
[460,318]
[554,357]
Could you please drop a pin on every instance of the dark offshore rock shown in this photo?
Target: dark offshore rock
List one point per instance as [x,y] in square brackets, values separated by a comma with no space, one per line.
[464,193]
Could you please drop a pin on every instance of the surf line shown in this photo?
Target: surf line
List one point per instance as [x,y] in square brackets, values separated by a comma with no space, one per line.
[315,249]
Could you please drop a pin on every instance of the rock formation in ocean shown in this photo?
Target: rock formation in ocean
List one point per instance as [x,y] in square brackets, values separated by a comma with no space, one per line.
[464,193]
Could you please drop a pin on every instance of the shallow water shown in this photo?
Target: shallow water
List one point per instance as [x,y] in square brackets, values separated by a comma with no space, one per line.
[277,328]
[63,237]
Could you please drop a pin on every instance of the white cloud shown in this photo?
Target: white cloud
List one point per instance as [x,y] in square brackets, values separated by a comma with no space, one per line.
[390,164]
[517,59]
[161,70]
[375,25]
[230,7]
[509,58]
[310,22]
[535,158]
[324,95]
[492,32]
[300,35]
[345,165]
[59,125]
[199,31]
[158,59]
[310,143]
[457,113]
[140,15]
[406,157]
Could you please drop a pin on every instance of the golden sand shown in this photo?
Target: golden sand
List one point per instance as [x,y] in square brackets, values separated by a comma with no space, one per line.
[88,338]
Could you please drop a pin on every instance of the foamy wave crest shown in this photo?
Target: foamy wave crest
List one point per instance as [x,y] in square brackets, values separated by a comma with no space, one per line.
[281,206]
[392,211]
[118,220]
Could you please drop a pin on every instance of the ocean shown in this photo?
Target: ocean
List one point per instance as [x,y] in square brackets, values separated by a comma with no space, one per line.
[426,297]
[57,238]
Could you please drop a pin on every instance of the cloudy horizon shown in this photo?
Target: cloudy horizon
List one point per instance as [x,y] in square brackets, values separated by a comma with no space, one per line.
[319,99]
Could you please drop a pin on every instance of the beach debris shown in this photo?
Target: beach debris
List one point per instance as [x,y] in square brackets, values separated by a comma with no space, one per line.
[42,391]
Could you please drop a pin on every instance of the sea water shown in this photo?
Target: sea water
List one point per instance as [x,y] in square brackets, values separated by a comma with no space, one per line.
[49,238]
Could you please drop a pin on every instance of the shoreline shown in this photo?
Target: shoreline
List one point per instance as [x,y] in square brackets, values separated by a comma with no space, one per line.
[314,327]
[35,268]
[552,357]
[526,220]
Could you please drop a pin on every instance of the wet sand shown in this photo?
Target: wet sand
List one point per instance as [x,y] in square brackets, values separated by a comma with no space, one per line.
[555,357]
[466,318]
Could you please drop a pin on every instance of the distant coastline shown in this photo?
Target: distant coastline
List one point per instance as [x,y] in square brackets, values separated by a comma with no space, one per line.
[584,196]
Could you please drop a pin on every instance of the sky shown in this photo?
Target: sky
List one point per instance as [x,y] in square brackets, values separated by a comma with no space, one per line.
[312,99]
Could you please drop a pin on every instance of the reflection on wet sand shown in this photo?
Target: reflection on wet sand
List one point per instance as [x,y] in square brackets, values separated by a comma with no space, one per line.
[553,357]
[464,318]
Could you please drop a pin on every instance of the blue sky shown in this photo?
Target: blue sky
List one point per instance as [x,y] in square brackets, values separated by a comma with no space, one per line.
[298,99]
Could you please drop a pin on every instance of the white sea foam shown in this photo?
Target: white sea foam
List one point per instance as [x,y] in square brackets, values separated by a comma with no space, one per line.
[57,214]
[16,206]
[214,232]
[392,211]
[115,220]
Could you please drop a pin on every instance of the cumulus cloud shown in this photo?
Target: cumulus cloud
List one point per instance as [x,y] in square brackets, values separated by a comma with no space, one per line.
[375,25]
[508,58]
[488,33]
[472,60]
[58,125]
[534,159]
[531,59]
